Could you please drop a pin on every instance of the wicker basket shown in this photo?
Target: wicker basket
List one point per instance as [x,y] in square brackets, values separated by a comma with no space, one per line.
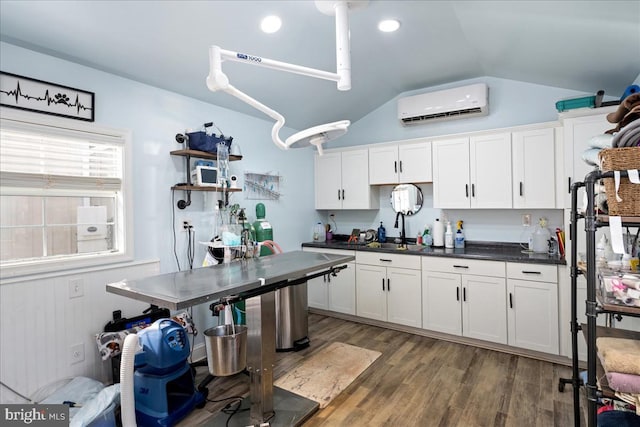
[619,159]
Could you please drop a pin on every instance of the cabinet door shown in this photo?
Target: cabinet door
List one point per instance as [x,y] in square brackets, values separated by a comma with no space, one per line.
[328,181]
[342,290]
[415,162]
[578,132]
[533,315]
[490,171]
[451,187]
[533,169]
[371,285]
[317,293]
[383,165]
[355,180]
[484,308]
[441,296]
[404,297]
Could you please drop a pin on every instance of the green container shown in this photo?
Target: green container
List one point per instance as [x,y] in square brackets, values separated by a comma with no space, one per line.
[571,104]
[263,228]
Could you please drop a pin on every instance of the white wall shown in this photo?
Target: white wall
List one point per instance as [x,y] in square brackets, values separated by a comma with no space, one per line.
[39,323]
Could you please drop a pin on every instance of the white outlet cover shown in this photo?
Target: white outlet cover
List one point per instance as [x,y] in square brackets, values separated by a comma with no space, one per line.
[77,353]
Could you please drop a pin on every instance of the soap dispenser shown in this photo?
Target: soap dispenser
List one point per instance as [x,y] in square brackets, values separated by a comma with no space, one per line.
[382,233]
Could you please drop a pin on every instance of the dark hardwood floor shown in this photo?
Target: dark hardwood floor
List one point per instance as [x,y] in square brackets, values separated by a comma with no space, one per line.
[420,381]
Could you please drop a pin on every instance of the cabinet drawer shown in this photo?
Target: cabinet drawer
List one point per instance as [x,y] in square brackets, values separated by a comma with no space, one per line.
[464,266]
[330,251]
[388,260]
[534,272]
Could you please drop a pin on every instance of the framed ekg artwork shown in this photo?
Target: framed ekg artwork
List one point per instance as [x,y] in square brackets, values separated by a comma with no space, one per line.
[29,94]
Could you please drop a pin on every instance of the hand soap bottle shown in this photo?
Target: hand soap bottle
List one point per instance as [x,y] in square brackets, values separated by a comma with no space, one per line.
[382,233]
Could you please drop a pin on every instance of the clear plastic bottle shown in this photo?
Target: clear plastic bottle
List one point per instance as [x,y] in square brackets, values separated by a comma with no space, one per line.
[448,236]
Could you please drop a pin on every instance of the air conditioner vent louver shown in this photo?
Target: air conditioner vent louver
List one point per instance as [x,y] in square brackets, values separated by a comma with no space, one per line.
[449,114]
[449,104]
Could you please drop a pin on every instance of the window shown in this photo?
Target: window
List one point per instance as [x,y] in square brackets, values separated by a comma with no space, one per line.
[63,194]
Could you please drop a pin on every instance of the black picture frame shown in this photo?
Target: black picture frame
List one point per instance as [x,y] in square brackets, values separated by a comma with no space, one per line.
[25,93]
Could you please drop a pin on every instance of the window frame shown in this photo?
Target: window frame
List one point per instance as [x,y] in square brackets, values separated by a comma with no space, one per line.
[124,227]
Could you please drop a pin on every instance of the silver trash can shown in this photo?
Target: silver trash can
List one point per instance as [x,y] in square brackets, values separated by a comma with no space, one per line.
[292,325]
[226,351]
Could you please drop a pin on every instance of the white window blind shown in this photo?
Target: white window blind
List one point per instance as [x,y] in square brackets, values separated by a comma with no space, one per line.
[65,197]
[48,158]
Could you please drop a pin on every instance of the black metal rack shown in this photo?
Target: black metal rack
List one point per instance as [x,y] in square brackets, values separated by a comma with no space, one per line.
[594,306]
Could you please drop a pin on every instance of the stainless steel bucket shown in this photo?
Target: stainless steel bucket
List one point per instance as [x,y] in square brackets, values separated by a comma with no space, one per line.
[226,351]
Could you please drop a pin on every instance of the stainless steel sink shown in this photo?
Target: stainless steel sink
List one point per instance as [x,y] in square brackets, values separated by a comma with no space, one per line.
[398,247]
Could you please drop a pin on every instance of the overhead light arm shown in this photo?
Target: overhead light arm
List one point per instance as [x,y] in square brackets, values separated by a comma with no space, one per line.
[317,135]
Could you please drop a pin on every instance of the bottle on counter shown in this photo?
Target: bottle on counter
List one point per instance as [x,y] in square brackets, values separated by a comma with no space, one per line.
[419,239]
[427,239]
[458,241]
[382,233]
[448,236]
[319,233]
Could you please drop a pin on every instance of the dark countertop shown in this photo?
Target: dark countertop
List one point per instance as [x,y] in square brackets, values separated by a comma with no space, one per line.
[491,251]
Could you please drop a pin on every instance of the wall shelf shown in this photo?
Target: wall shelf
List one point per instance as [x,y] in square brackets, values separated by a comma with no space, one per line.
[198,188]
[202,155]
[188,187]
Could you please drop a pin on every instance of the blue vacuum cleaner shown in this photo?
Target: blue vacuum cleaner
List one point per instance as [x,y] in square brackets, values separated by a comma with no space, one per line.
[164,386]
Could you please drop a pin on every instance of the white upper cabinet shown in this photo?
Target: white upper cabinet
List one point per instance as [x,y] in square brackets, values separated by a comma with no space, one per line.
[342,181]
[451,187]
[491,170]
[534,169]
[578,132]
[472,172]
[407,162]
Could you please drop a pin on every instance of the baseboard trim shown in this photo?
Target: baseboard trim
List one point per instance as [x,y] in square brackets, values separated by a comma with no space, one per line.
[560,360]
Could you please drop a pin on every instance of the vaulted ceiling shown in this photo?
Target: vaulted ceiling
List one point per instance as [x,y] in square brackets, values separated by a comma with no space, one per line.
[580,45]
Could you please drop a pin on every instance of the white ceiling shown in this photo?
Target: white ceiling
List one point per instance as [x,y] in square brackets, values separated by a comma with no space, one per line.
[579,45]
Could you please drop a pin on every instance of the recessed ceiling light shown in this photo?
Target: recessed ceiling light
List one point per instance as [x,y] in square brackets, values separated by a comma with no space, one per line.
[389,25]
[270,24]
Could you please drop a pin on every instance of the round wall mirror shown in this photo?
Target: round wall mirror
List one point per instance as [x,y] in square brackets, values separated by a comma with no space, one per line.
[406,199]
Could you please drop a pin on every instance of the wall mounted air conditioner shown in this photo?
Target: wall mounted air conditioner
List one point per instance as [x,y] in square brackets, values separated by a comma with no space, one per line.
[448,104]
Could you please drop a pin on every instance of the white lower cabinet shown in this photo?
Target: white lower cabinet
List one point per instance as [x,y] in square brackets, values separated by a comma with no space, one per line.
[465,297]
[533,307]
[333,293]
[388,288]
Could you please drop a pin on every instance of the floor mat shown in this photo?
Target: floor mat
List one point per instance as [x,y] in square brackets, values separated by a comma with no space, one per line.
[326,373]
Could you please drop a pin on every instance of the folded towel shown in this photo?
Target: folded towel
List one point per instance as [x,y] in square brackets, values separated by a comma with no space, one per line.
[590,156]
[619,355]
[628,136]
[601,141]
[625,383]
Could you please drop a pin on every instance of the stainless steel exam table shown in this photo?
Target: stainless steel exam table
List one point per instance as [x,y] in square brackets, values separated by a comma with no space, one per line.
[255,281]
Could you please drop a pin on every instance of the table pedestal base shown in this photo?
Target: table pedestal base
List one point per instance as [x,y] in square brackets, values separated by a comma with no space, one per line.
[290,410]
